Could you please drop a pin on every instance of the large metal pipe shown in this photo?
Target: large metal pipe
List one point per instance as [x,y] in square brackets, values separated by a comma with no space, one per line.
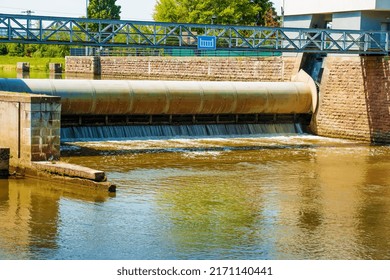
[121,97]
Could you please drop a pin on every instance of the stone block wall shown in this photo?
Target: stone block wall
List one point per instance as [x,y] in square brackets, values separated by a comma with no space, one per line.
[82,64]
[188,68]
[45,118]
[355,99]
[30,127]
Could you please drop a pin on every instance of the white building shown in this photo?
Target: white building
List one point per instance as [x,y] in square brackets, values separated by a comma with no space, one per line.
[338,14]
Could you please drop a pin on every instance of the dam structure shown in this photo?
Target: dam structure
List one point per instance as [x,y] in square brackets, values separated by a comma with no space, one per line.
[112,109]
[344,94]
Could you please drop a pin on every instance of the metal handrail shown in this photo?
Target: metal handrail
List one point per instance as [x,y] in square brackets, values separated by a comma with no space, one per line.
[101,33]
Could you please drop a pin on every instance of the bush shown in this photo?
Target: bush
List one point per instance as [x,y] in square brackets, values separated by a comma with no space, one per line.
[3,49]
[34,50]
[16,49]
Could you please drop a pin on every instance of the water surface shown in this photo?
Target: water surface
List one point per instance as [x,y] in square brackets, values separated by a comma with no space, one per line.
[283,197]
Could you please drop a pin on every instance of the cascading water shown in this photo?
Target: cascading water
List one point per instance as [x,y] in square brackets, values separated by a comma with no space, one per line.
[95,133]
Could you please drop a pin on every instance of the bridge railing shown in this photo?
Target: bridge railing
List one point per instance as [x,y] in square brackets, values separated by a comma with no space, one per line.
[143,34]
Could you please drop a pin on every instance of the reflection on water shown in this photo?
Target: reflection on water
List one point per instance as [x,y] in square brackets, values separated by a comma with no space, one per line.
[299,197]
[30,216]
[11,74]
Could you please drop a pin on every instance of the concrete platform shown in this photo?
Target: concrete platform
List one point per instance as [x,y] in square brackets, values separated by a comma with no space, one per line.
[70,170]
[70,173]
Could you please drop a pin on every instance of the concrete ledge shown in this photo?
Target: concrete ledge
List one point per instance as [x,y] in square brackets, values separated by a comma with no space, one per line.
[70,170]
[43,172]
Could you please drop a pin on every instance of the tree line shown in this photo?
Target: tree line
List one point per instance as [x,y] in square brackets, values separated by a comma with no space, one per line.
[33,50]
[235,12]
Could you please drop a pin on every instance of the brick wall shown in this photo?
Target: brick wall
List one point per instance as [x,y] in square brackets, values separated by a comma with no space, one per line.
[188,68]
[355,99]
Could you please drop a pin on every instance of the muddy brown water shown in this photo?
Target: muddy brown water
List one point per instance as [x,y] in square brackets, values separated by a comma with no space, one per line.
[268,197]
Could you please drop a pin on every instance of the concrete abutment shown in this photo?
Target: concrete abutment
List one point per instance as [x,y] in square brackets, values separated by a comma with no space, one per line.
[30,127]
[354,99]
[30,131]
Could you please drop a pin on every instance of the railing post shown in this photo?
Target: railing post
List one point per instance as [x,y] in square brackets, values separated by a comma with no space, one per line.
[344,41]
[9,30]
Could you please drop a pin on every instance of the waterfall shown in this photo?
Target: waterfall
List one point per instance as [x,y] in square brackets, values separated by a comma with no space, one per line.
[99,133]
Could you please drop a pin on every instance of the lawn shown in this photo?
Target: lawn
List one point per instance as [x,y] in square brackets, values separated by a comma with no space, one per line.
[8,63]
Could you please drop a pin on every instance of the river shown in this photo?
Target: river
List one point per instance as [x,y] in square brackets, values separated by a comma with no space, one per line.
[252,197]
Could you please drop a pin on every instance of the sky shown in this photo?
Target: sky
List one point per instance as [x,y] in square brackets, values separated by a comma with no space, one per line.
[131,9]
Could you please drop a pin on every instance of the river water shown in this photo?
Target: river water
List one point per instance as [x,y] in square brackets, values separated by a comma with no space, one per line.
[252,197]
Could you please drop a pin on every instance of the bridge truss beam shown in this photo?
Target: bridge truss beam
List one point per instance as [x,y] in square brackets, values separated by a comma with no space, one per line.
[143,34]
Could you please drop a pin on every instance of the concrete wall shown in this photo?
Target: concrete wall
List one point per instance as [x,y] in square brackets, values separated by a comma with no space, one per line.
[30,127]
[352,15]
[354,20]
[355,99]
[332,6]
[298,21]
[189,68]
[365,20]
[349,20]
[373,20]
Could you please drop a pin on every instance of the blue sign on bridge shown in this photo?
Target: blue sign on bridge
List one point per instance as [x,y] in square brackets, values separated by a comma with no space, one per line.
[207,43]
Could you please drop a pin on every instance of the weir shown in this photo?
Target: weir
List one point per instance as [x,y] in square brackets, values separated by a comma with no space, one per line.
[90,133]
[128,109]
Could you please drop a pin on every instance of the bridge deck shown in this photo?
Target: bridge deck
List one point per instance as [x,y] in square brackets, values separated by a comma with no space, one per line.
[143,34]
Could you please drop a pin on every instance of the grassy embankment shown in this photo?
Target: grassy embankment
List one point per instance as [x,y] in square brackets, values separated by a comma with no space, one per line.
[8,63]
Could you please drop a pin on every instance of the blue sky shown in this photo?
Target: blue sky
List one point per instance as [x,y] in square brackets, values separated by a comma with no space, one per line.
[131,9]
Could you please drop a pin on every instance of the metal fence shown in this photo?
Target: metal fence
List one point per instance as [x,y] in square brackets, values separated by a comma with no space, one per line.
[91,51]
[142,34]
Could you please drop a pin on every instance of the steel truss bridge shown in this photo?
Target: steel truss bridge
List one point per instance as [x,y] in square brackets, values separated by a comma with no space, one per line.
[143,34]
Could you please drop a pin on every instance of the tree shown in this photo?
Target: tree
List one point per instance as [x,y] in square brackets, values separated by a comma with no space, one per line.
[103,9]
[16,49]
[244,12]
[267,15]
[3,49]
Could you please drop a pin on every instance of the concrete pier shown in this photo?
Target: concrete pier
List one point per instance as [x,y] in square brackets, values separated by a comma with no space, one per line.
[4,163]
[30,127]
[23,67]
[55,68]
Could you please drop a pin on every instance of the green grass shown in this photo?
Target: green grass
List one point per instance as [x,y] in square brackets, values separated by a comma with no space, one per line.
[36,63]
